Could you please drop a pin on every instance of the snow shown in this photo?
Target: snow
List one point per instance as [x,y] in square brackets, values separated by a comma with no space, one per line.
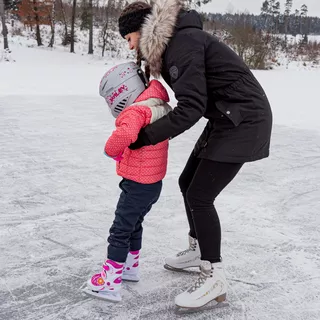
[58,192]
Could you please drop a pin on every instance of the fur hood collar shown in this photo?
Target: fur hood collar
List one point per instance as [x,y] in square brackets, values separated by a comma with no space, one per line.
[157,31]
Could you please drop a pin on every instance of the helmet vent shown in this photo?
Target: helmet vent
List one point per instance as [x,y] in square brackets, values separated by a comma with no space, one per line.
[121,105]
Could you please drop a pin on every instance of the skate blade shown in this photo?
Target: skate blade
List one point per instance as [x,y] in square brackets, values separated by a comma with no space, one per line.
[130,278]
[211,305]
[103,295]
[185,270]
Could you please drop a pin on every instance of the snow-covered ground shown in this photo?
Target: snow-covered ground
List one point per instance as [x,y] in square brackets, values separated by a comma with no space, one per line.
[58,192]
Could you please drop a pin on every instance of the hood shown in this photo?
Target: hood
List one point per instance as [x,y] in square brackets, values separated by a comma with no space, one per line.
[166,18]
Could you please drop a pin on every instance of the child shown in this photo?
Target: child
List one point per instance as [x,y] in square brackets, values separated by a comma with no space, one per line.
[135,103]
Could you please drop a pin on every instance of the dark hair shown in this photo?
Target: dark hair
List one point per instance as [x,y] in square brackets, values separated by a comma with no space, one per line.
[131,20]
[146,67]
[132,17]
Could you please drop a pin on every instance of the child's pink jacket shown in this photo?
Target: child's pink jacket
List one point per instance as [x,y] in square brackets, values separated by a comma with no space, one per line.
[148,164]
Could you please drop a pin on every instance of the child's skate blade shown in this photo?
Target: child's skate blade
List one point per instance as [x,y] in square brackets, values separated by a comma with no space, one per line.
[103,295]
[209,306]
[130,278]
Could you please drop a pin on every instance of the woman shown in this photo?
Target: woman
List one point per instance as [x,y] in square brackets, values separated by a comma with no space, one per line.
[209,80]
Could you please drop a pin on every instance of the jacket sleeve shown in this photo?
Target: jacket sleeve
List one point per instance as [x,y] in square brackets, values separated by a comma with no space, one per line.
[128,126]
[186,65]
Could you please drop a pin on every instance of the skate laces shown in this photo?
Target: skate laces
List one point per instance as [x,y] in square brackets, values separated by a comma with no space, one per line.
[192,247]
[204,275]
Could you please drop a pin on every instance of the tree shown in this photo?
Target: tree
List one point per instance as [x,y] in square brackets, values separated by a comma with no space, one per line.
[53,23]
[303,21]
[287,12]
[37,19]
[265,13]
[66,37]
[4,27]
[296,25]
[35,13]
[72,25]
[11,4]
[274,10]
[90,51]
[84,16]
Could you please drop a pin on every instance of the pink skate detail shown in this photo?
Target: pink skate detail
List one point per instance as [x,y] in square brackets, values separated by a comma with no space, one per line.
[134,252]
[119,272]
[118,280]
[108,283]
[135,265]
[106,267]
[111,288]
[128,268]
[115,264]
[97,280]
[137,257]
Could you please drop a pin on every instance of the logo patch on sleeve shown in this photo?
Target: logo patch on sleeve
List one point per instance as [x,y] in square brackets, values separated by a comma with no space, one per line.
[174,73]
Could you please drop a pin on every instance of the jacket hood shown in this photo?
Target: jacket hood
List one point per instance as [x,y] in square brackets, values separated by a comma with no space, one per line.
[166,18]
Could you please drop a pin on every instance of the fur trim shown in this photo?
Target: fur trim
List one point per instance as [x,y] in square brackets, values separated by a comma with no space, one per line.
[156,32]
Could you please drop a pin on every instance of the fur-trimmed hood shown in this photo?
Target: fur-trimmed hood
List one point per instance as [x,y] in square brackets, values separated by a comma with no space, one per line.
[157,30]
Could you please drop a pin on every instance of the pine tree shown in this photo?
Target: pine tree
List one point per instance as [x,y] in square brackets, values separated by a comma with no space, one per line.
[84,16]
[265,13]
[303,22]
[287,12]
[296,25]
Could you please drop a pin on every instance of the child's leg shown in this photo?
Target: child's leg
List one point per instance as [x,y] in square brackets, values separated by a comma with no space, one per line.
[136,236]
[135,202]
[131,267]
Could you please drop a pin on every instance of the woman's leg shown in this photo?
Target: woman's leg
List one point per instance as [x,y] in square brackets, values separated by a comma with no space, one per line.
[184,182]
[208,181]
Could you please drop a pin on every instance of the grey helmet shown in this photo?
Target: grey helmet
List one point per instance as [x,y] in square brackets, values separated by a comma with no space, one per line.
[122,85]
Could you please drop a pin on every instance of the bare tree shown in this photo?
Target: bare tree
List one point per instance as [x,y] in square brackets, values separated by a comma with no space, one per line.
[52,23]
[4,26]
[66,33]
[90,51]
[72,25]
[37,20]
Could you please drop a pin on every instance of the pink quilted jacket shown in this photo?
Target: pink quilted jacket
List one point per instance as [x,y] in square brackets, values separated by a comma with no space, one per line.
[148,164]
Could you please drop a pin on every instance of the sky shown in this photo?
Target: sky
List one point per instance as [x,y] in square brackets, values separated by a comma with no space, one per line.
[254,6]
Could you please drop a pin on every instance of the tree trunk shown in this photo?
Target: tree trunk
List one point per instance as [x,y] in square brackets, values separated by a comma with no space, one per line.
[4,26]
[53,23]
[90,28]
[105,30]
[64,22]
[36,17]
[72,25]
[90,51]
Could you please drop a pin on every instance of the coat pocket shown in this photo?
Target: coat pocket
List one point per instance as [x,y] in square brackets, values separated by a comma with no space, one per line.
[231,111]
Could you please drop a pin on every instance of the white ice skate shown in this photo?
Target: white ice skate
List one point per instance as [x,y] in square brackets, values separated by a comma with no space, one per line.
[185,259]
[209,290]
[107,284]
[131,267]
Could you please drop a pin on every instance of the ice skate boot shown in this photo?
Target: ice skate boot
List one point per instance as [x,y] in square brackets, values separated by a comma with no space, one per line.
[131,267]
[208,291]
[107,284]
[185,259]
